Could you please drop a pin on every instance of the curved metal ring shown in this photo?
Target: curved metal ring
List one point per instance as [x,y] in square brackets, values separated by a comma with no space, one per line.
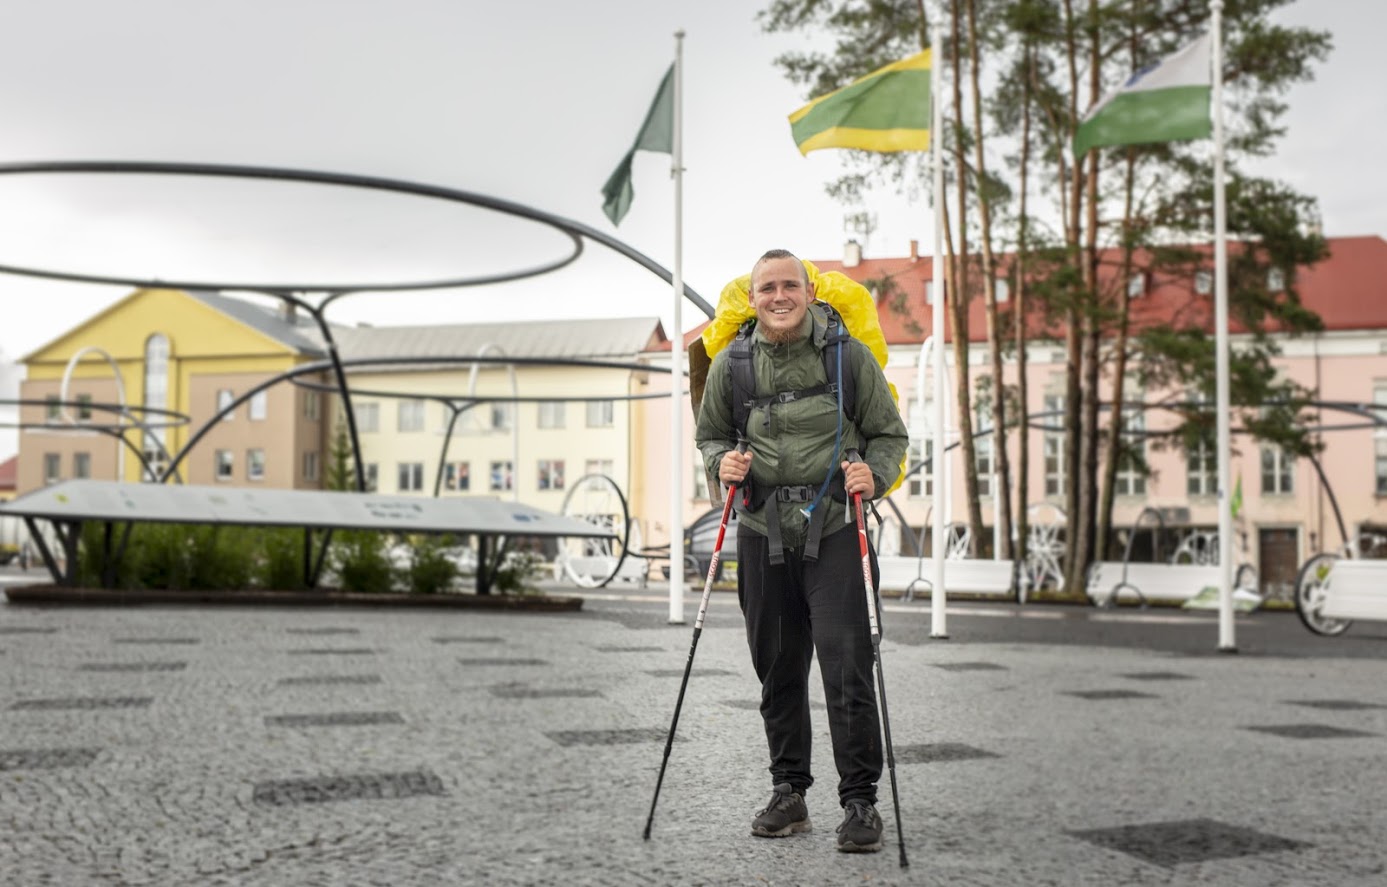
[210,170]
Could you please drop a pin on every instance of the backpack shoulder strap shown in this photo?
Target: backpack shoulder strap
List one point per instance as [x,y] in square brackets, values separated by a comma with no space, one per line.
[743,376]
[837,334]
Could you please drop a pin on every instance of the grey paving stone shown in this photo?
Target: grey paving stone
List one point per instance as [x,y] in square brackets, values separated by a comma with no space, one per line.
[501,661]
[467,639]
[969,666]
[608,737]
[46,758]
[679,672]
[329,680]
[324,630]
[351,787]
[335,719]
[132,666]
[543,693]
[1100,695]
[937,752]
[26,629]
[1157,676]
[1310,731]
[1337,704]
[82,703]
[333,651]
[184,641]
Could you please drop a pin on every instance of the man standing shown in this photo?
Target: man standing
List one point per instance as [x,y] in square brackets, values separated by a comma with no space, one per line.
[799,569]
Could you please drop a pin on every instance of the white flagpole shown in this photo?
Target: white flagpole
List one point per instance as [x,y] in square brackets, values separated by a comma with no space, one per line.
[1222,405]
[937,599]
[676,378]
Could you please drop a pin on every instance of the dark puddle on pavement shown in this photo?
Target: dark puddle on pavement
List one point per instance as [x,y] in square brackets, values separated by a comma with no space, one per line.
[1309,731]
[1173,843]
[940,752]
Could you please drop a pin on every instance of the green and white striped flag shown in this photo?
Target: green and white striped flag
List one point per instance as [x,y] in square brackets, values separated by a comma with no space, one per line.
[1165,102]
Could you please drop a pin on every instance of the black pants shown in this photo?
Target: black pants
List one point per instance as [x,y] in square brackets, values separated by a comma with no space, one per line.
[791,610]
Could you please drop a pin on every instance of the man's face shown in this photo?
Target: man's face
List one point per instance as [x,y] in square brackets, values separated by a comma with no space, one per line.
[781,296]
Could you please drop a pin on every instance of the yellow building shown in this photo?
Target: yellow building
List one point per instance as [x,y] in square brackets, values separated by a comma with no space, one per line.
[188,352]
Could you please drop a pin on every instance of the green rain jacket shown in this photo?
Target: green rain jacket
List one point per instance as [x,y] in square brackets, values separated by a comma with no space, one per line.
[792,444]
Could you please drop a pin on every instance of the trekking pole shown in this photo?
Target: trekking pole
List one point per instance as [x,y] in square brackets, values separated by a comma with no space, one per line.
[698,630]
[854,456]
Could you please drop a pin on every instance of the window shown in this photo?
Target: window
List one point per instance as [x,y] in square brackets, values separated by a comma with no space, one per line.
[1054,445]
[51,411]
[310,465]
[259,406]
[929,292]
[1276,280]
[920,483]
[1203,282]
[600,414]
[84,406]
[502,476]
[1003,290]
[410,477]
[700,478]
[458,476]
[1380,464]
[156,397]
[982,452]
[81,464]
[311,406]
[1202,468]
[226,464]
[372,472]
[551,414]
[551,474]
[255,464]
[1277,471]
[1136,285]
[598,466]
[224,398]
[52,468]
[410,416]
[501,414]
[1131,461]
[367,416]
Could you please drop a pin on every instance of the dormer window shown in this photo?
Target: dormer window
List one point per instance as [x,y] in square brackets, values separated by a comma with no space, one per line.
[1276,280]
[1136,286]
[1203,282]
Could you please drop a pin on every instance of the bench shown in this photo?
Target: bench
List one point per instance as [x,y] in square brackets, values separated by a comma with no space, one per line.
[963,576]
[1164,583]
[1356,589]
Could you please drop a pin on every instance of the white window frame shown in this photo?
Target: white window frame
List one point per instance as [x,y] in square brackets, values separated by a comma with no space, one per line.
[501,476]
[224,465]
[409,416]
[601,414]
[550,414]
[371,470]
[501,416]
[601,466]
[52,467]
[255,464]
[82,465]
[224,398]
[1052,444]
[1129,481]
[1203,282]
[259,406]
[310,465]
[312,406]
[1278,477]
[409,477]
[367,417]
[1201,470]
[550,474]
[1136,285]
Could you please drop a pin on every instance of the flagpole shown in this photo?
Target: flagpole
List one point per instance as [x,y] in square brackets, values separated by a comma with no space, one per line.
[937,598]
[676,385]
[1222,407]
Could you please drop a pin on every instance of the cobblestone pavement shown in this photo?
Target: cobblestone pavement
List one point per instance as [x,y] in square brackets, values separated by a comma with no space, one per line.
[220,746]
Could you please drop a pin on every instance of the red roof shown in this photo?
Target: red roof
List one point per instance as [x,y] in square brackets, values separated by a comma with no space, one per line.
[9,474]
[1348,290]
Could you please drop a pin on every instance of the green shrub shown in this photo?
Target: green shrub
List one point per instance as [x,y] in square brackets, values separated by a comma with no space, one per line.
[220,558]
[360,561]
[516,572]
[431,570]
[279,560]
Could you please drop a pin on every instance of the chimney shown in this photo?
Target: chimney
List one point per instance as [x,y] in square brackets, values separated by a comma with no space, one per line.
[914,250]
[852,254]
[288,312]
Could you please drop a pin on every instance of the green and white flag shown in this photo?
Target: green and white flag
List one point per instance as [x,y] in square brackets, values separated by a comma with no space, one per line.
[1165,102]
[656,134]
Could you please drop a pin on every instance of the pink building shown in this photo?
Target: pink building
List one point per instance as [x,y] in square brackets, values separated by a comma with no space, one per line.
[1288,508]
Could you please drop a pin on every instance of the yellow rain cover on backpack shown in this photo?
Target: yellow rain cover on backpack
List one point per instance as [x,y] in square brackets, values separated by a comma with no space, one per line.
[852,300]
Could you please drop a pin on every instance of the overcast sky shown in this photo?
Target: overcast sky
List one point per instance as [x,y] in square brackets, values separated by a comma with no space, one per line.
[533,103]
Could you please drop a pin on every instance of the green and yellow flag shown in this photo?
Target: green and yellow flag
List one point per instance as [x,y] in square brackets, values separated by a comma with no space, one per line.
[887,110]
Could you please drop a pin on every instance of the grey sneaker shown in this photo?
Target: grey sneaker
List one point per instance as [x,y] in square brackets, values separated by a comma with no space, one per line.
[861,828]
[784,814]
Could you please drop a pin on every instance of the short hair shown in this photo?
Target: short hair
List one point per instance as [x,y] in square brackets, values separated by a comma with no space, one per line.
[782,254]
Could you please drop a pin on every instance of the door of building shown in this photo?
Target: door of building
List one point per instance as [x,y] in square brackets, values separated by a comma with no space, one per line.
[1278,558]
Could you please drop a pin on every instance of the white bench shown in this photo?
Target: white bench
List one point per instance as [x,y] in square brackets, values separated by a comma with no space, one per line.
[913,575]
[1356,589]
[1166,583]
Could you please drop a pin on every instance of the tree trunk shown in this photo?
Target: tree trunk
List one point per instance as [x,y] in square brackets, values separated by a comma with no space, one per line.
[1002,489]
[1023,420]
[1072,342]
[958,296]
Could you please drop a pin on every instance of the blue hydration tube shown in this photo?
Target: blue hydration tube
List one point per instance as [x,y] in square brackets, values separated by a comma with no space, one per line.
[837,440]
